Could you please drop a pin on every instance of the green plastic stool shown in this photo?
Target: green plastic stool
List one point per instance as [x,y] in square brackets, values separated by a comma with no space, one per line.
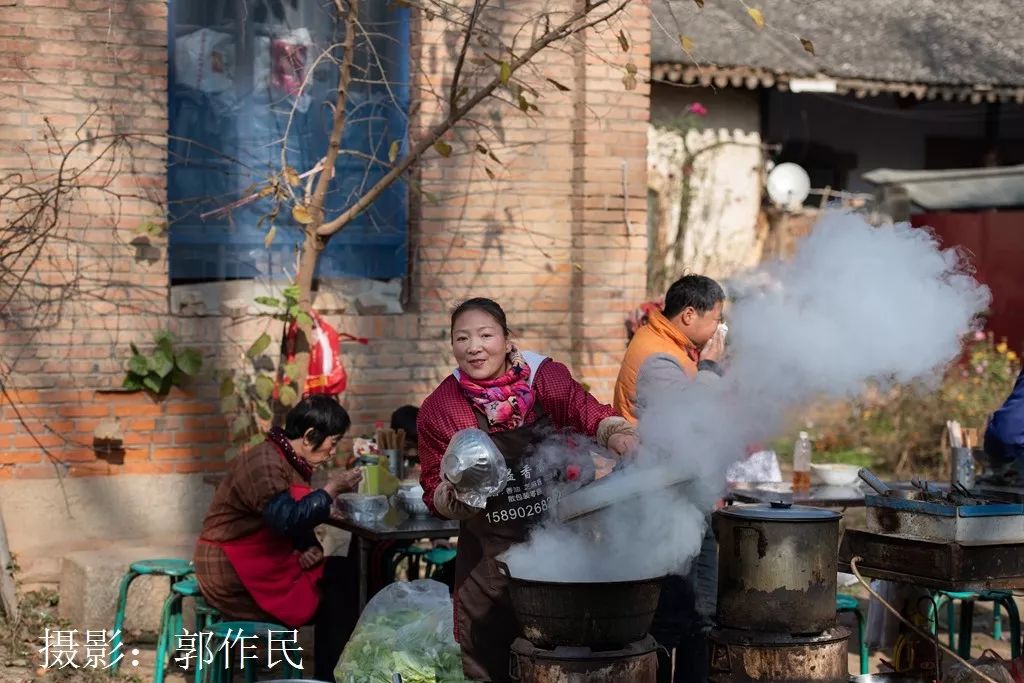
[222,669]
[848,603]
[435,558]
[171,625]
[411,554]
[998,598]
[173,568]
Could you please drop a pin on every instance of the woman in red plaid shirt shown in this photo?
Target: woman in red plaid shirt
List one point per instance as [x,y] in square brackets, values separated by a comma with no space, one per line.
[518,397]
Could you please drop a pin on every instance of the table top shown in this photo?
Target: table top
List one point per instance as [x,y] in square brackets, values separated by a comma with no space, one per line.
[397,526]
[817,494]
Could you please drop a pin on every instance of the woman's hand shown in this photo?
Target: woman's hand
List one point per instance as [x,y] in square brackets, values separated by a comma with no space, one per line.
[342,481]
[623,443]
[311,557]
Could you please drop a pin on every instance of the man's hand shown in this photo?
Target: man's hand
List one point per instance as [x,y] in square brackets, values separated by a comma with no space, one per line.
[714,350]
[623,443]
[341,481]
[311,557]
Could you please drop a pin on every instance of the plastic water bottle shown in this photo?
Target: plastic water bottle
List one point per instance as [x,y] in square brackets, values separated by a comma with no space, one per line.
[802,462]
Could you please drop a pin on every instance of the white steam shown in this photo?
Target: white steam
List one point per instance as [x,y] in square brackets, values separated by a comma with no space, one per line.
[857,302]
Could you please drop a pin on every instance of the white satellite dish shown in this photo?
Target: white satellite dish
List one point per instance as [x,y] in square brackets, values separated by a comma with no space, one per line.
[788,185]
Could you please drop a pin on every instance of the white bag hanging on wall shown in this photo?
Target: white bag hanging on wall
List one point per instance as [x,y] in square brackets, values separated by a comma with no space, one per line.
[205,60]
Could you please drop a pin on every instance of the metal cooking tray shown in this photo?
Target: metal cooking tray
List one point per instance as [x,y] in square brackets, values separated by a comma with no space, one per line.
[987,524]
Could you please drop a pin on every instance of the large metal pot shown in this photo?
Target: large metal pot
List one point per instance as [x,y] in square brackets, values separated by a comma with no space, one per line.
[601,616]
[777,567]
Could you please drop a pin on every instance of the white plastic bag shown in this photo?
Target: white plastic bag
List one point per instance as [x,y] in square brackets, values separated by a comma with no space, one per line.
[406,629]
[475,466]
[205,60]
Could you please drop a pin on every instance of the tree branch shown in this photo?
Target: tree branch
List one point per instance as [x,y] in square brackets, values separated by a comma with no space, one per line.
[478,6]
[563,30]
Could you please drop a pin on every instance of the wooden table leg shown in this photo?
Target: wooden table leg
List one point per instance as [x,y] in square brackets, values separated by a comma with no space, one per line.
[363,548]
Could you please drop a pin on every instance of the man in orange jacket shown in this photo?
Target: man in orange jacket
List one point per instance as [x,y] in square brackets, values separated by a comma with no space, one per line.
[687,330]
[681,341]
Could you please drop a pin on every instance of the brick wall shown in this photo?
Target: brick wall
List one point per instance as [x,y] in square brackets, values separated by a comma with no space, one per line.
[558,237]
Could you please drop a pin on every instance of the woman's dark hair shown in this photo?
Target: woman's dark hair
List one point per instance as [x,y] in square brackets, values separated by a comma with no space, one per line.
[321,414]
[405,418]
[488,306]
[697,291]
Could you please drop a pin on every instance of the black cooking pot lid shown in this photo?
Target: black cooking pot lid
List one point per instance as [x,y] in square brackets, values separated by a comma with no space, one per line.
[779,512]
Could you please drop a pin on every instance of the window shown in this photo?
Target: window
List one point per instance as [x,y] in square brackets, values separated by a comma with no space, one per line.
[236,94]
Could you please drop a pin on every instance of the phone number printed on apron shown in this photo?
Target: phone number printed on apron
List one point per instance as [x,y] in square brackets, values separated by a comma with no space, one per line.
[519,512]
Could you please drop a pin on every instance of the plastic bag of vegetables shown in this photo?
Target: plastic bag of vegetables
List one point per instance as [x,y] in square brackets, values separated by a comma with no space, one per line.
[405,629]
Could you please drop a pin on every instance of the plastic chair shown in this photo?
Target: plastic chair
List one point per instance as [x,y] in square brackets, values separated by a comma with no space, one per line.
[174,568]
[848,603]
[224,635]
[998,598]
[436,558]
[171,625]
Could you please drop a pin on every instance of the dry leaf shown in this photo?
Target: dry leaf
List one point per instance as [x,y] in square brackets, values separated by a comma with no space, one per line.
[443,148]
[631,69]
[266,191]
[291,176]
[623,41]
[757,16]
[268,239]
[563,88]
[700,3]
[393,151]
[686,43]
[629,80]
[302,215]
[808,45]
[490,173]
[506,72]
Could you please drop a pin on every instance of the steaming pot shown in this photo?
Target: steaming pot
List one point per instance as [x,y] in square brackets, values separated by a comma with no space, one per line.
[777,567]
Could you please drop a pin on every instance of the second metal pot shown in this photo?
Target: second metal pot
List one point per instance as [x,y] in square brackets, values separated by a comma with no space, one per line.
[777,568]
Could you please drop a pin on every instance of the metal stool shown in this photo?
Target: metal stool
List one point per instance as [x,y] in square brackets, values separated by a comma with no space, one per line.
[998,598]
[848,603]
[174,568]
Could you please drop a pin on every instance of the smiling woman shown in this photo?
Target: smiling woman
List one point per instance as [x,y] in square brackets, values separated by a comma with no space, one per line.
[518,398]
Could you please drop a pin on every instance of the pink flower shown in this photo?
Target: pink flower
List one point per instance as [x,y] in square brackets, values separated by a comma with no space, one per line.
[979,369]
[979,336]
[697,109]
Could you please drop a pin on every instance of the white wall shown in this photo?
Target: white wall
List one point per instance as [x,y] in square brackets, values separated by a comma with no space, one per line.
[725,147]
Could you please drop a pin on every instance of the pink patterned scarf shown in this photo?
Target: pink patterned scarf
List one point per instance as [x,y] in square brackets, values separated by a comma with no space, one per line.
[506,400]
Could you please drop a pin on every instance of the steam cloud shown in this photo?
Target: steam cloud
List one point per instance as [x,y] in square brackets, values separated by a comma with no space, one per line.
[857,302]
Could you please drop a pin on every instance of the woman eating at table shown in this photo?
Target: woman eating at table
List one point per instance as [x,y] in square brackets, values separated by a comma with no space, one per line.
[518,398]
[257,558]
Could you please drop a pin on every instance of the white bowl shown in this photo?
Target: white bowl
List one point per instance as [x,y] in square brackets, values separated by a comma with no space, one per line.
[835,474]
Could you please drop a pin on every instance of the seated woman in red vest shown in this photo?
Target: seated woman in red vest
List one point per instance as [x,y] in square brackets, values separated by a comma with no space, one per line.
[258,557]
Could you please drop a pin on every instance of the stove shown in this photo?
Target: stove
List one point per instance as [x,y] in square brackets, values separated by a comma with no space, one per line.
[751,656]
[637,662]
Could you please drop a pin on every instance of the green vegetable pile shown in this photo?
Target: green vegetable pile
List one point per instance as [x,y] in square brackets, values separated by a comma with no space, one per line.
[416,643]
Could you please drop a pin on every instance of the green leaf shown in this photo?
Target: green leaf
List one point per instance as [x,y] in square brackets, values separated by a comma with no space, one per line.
[138,365]
[505,72]
[268,301]
[263,410]
[190,362]
[229,404]
[240,425]
[161,363]
[291,369]
[293,310]
[288,396]
[134,348]
[227,386]
[256,439]
[259,346]
[132,382]
[165,384]
[304,319]
[153,383]
[231,453]
[264,386]
[443,148]
[523,104]
[393,150]
[290,292]
[163,339]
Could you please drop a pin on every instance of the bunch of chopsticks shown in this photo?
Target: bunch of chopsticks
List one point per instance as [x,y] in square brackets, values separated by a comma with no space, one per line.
[961,437]
[391,440]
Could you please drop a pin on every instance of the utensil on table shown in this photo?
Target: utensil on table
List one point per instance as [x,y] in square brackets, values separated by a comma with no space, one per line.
[869,478]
